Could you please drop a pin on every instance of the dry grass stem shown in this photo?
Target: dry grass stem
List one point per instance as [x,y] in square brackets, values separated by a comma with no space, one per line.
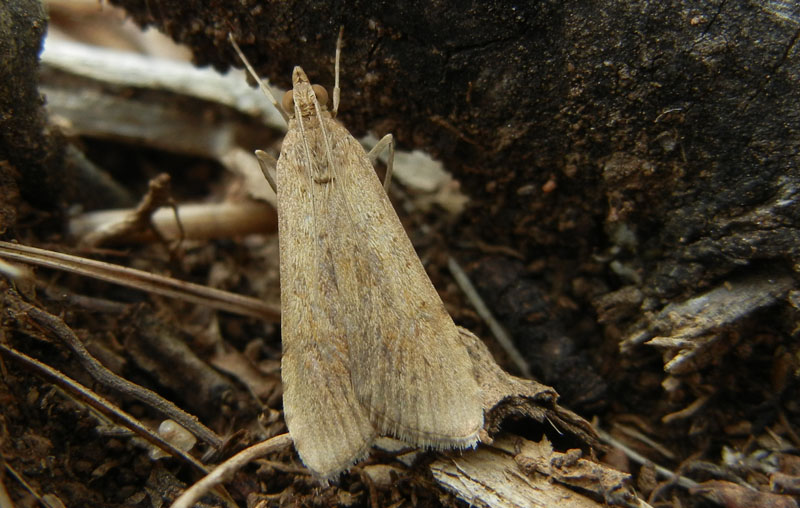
[144,281]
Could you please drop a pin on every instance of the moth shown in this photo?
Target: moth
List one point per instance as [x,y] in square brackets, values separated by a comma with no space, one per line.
[368,346]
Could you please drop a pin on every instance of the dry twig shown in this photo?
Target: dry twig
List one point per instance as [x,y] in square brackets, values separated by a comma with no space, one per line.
[226,470]
[144,281]
[60,329]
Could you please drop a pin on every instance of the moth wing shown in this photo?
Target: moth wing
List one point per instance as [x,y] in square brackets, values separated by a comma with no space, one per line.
[331,430]
[409,368]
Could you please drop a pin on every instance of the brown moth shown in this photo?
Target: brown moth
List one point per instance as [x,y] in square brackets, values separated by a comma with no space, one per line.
[368,347]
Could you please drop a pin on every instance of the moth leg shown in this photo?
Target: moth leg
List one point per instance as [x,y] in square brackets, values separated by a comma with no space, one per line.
[268,164]
[387,140]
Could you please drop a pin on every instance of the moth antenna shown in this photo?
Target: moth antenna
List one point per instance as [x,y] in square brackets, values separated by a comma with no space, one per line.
[328,152]
[306,150]
[298,114]
[336,90]
[264,88]
[304,139]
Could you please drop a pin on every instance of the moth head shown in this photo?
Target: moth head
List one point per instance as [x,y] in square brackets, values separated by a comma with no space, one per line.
[304,95]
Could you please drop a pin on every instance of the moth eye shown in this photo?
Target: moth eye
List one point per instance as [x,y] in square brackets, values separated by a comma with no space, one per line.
[321,93]
[288,102]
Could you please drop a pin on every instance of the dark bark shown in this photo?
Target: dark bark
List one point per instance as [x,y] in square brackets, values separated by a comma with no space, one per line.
[31,153]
